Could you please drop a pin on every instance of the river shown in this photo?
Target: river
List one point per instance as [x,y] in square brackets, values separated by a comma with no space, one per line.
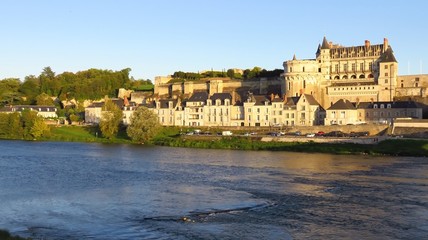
[53,190]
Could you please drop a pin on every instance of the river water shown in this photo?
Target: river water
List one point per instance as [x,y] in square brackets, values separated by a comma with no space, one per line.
[101,191]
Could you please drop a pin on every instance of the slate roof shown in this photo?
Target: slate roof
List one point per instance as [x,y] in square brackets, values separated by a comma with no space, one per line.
[397,104]
[388,56]
[325,44]
[164,103]
[198,97]
[19,108]
[311,100]
[292,101]
[342,104]
[221,96]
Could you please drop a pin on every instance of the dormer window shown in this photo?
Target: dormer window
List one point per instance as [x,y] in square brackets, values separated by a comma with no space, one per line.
[375,106]
[388,106]
[382,106]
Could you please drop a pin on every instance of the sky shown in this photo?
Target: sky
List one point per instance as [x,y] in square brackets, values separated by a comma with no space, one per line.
[159,37]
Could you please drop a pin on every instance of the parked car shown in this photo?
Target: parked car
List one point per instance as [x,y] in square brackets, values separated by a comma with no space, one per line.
[336,134]
[310,135]
[320,134]
[298,133]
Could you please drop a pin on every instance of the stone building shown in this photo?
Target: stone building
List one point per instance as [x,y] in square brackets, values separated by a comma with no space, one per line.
[344,112]
[359,73]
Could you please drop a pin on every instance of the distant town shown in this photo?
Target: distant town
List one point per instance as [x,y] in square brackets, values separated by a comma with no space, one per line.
[340,86]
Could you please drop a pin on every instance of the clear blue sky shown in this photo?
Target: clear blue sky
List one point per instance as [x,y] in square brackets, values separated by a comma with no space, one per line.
[158,37]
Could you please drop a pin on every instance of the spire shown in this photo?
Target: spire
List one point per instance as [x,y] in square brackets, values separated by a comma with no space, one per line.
[325,44]
[294,57]
[318,50]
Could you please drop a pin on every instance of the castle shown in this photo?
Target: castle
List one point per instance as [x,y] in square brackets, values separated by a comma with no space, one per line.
[341,86]
[364,73]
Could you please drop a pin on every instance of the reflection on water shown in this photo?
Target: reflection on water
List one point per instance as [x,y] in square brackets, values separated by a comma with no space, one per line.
[96,191]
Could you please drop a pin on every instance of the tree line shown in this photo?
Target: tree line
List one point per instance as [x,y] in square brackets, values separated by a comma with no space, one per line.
[24,125]
[89,84]
[247,74]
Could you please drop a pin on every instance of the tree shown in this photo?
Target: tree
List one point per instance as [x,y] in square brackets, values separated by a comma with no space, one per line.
[39,127]
[111,117]
[144,125]
[28,119]
[230,73]
[44,100]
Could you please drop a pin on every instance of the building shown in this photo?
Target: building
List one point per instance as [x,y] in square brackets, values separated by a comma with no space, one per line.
[42,111]
[344,112]
[358,73]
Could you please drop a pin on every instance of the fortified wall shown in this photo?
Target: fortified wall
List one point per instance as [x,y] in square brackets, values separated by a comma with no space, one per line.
[166,89]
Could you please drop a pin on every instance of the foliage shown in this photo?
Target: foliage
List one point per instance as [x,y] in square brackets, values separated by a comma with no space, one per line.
[44,100]
[111,117]
[144,125]
[26,125]
[9,91]
[74,118]
[39,128]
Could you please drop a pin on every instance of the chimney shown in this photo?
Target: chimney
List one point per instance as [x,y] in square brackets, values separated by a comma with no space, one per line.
[385,44]
[272,96]
[367,43]
[330,44]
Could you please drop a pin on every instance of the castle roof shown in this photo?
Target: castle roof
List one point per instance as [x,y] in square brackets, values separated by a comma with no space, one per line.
[325,44]
[388,56]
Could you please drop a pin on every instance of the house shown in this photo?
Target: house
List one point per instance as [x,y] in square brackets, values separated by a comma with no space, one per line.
[42,111]
[342,112]
[217,111]
[257,111]
[194,109]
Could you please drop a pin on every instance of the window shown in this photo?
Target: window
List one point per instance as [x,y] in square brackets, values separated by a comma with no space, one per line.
[386,66]
[353,67]
[342,114]
[386,80]
[386,74]
[303,69]
[291,69]
[375,106]
[336,67]
[345,67]
[361,66]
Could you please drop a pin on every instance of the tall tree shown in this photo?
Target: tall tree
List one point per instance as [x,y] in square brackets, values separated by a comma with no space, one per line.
[39,128]
[144,125]
[111,117]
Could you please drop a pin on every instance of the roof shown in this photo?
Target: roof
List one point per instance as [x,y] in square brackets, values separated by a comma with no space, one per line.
[325,44]
[19,108]
[198,97]
[397,104]
[342,104]
[164,103]
[311,100]
[96,105]
[388,56]
[292,101]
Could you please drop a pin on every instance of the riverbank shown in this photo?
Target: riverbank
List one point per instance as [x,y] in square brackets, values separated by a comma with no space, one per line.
[171,136]
[393,147]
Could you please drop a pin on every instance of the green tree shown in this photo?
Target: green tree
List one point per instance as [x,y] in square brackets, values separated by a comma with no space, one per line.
[230,73]
[111,117]
[144,125]
[39,128]
[28,119]
[15,125]
[44,100]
